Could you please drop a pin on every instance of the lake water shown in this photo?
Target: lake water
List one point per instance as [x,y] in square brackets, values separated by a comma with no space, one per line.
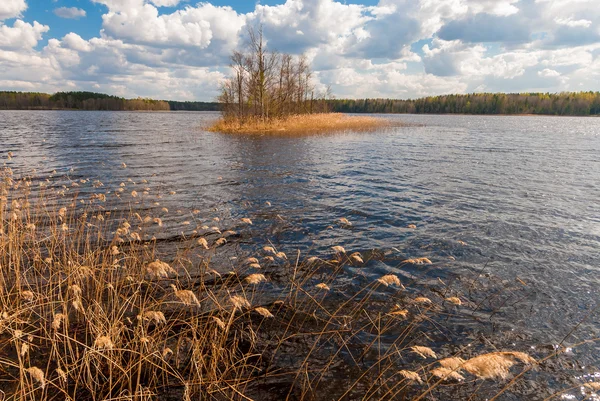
[513,198]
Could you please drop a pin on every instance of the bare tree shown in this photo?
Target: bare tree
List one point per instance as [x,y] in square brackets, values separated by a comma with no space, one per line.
[266,84]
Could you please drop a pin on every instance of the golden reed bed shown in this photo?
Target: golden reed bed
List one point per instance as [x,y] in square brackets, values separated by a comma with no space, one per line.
[94,307]
[303,123]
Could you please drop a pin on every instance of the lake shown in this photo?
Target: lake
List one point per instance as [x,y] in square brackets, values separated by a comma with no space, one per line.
[512,203]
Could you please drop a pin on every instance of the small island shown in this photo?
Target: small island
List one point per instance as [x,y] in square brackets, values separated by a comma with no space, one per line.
[273,92]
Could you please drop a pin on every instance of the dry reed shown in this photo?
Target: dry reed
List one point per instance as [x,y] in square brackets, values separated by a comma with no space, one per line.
[305,123]
[389,279]
[423,351]
[88,313]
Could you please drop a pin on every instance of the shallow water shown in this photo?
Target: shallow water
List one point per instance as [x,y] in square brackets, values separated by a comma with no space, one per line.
[521,193]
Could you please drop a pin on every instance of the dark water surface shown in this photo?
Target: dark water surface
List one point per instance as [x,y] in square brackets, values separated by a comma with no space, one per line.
[514,197]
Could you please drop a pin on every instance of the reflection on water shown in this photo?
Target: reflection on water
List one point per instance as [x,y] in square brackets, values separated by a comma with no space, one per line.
[516,197]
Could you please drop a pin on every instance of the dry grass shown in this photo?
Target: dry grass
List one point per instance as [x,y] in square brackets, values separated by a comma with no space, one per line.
[304,123]
[96,311]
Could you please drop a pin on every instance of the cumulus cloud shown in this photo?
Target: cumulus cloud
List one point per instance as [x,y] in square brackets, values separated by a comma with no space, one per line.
[165,3]
[485,27]
[199,26]
[547,72]
[75,42]
[298,25]
[397,48]
[585,23]
[21,35]
[11,8]
[70,12]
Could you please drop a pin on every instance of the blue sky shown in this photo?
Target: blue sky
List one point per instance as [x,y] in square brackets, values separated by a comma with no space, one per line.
[178,49]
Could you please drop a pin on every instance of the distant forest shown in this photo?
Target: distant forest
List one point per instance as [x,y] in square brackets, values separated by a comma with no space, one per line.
[93,101]
[561,104]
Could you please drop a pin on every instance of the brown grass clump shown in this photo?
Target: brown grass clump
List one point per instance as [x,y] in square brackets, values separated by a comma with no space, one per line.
[239,302]
[155,316]
[447,374]
[452,363]
[270,249]
[338,249]
[423,300]
[403,313]
[344,221]
[495,365]
[410,375]
[594,386]
[187,297]
[389,279]
[264,312]
[255,278]
[38,375]
[423,351]
[418,261]
[158,269]
[304,123]
[454,300]
[57,321]
[356,257]
[104,342]
[96,312]
[489,366]
[203,243]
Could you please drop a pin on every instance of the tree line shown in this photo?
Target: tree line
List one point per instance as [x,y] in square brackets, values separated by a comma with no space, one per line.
[267,85]
[560,104]
[193,106]
[76,101]
[563,104]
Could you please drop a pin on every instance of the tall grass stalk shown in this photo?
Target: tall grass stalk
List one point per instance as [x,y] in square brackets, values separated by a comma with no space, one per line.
[91,308]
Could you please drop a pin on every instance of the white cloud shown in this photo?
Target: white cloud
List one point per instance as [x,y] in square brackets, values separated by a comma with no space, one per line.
[11,8]
[198,26]
[75,42]
[70,12]
[547,72]
[322,22]
[573,23]
[21,35]
[165,3]
[398,48]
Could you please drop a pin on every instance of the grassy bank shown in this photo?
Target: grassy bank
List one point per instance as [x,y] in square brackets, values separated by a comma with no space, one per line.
[103,303]
[304,123]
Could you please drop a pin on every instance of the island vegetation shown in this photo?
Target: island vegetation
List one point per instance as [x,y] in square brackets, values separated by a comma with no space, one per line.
[272,91]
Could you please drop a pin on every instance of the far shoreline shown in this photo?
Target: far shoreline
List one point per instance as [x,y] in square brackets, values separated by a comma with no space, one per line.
[345,113]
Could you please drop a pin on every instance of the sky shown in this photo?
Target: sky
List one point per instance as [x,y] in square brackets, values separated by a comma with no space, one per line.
[180,49]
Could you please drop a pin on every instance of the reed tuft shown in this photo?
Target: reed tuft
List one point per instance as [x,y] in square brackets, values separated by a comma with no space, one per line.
[103,314]
[298,124]
[423,351]
[38,375]
[255,278]
[410,375]
[389,279]
[447,374]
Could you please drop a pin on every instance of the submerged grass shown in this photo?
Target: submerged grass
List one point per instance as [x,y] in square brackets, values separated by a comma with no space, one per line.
[298,124]
[91,309]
